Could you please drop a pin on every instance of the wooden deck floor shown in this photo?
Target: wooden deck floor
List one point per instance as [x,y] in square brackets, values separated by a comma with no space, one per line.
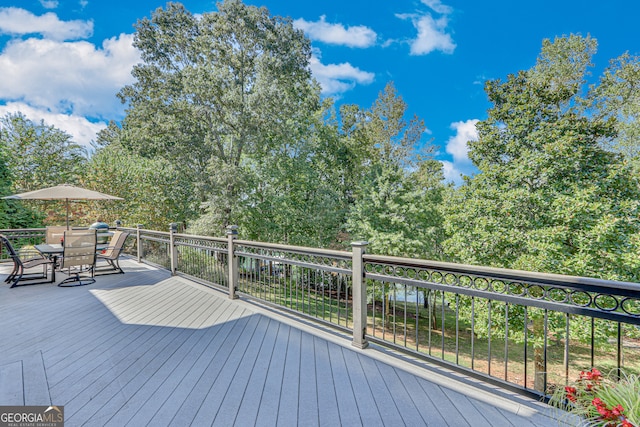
[145,348]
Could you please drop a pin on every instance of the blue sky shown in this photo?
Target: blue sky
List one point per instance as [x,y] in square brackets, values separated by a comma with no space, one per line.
[64,60]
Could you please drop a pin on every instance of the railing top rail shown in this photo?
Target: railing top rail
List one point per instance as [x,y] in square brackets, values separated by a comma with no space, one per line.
[129,229]
[296,249]
[179,235]
[195,236]
[144,230]
[20,230]
[506,274]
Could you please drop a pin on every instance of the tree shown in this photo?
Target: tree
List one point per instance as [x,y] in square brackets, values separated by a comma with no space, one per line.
[12,213]
[396,199]
[215,91]
[35,155]
[39,155]
[156,191]
[297,195]
[618,95]
[550,196]
[121,163]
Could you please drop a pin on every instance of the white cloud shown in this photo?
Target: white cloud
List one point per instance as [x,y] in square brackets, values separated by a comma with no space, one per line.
[68,77]
[71,85]
[457,145]
[437,6]
[458,148]
[338,78]
[356,36]
[82,130]
[431,36]
[49,4]
[451,173]
[15,21]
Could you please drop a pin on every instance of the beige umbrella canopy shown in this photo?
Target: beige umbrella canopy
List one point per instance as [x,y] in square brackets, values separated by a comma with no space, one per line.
[64,192]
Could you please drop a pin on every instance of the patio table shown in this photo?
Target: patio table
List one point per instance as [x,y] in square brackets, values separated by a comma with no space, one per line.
[52,251]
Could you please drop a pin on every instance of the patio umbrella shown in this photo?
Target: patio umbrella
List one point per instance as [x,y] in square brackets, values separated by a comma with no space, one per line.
[64,192]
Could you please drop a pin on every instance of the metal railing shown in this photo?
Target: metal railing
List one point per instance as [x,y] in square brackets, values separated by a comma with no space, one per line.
[313,282]
[21,238]
[527,331]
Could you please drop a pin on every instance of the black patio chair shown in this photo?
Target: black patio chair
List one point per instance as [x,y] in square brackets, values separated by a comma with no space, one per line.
[27,260]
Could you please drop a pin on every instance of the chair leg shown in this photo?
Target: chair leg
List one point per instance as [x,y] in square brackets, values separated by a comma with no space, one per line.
[77,280]
[12,274]
[20,276]
[112,267]
[116,264]
[16,277]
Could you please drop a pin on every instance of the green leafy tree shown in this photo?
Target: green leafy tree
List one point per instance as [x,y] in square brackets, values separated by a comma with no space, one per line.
[396,199]
[297,191]
[12,213]
[549,196]
[155,192]
[39,155]
[215,91]
[618,96]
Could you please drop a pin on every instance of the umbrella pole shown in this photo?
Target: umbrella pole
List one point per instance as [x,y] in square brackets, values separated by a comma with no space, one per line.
[67,200]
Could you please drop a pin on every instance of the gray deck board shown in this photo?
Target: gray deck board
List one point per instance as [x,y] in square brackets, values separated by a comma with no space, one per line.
[11,386]
[238,381]
[153,403]
[246,409]
[34,380]
[469,411]
[222,359]
[367,407]
[429,412]
[447,408]
[270,398]
[493,415]
[179,392]
[382,395]
[145,348]
[347,405]
[307,397]
[233,375]
[404,400]
[289,394]
[326,390]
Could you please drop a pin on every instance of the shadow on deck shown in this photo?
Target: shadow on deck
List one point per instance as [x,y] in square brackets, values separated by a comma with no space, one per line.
[145,348]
